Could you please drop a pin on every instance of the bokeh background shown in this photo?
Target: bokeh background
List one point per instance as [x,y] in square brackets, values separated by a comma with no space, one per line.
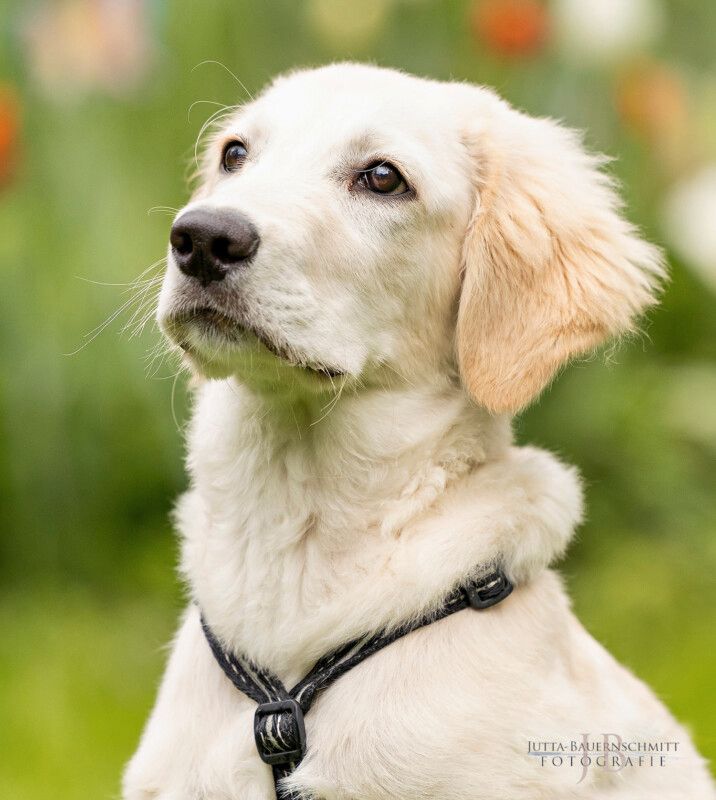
[101,102]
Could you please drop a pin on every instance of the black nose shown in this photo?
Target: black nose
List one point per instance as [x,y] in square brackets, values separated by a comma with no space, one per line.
[209,243]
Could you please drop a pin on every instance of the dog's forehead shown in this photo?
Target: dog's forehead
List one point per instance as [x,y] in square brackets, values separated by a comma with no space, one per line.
[343,101]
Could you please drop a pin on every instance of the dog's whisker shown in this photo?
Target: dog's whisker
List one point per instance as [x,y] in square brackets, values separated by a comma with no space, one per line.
[172,402]
[333,402]
[102,283]
[144,293]
[140,324]
[154,358]
[295,422]
[400,374]
[223,106]
[144,311]
[154,265]
[134,282]
[216,118]
[142,287]
[162,210]
[224,67]
[139,290]
[161,354]
[95,332]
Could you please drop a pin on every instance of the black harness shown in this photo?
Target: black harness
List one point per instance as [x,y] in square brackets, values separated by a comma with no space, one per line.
[279,729]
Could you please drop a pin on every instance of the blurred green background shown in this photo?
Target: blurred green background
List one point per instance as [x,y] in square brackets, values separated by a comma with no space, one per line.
[97,127]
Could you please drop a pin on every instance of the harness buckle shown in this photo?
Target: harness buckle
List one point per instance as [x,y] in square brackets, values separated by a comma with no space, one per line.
[280,746]
[488,591]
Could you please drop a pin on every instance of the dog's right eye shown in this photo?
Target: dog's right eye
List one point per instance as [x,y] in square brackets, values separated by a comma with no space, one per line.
[233,156]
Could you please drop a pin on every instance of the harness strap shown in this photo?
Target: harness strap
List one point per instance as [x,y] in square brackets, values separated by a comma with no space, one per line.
[279,728]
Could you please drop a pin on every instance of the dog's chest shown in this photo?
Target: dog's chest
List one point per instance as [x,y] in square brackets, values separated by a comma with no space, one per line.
[380,732]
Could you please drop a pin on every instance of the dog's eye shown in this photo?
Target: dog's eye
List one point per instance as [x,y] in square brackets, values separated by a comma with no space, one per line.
[383,178]
[234,156]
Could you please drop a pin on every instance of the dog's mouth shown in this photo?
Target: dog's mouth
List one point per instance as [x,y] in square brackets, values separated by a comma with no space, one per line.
[217,324]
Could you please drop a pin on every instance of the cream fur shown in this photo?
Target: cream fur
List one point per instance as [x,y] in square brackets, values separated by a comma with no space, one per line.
[551,269]
[320,510]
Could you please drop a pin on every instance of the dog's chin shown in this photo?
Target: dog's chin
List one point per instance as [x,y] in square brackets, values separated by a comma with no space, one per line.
[218,346]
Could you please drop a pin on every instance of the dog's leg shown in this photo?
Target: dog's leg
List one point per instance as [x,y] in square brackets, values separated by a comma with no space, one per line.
[198,743]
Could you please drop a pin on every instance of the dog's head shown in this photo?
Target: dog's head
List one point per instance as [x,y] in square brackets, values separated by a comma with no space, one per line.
[360,224]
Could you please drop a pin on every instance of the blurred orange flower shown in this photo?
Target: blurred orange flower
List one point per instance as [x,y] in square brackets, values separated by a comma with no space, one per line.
[652,102]
[511,27]
[650,98]
[9,132]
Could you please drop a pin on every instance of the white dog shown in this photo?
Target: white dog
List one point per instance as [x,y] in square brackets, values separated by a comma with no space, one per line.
[375,273]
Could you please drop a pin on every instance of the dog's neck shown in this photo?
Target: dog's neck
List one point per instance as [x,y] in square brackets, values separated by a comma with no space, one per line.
[305,526]
[365,461]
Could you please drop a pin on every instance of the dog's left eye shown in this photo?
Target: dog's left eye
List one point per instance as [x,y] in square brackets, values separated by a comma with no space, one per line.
[383,178]
[233,156]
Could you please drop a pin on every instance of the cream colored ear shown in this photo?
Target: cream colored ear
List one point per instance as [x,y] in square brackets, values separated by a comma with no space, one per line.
[551,269]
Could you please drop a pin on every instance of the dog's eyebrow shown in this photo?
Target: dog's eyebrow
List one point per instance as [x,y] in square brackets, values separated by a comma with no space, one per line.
[365,141]
[367,147]
[374,145]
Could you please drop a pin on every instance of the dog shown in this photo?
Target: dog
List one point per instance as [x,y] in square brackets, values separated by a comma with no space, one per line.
[375,273]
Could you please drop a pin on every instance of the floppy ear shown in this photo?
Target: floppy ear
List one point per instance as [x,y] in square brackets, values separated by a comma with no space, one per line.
[551,269]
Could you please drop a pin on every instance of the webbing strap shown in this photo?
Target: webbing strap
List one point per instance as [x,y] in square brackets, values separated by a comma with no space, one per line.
[279,728]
